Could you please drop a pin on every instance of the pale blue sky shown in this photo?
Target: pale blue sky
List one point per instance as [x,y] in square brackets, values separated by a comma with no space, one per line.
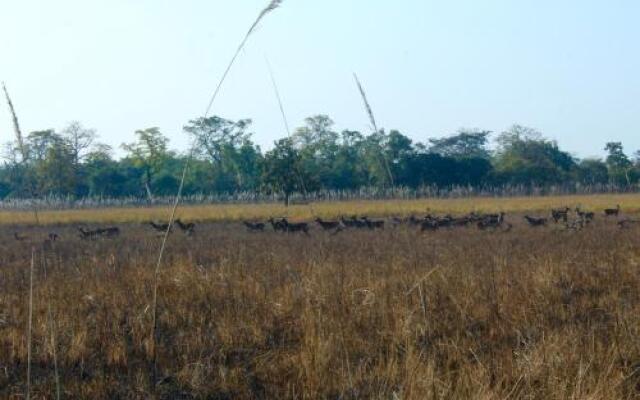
[568,68]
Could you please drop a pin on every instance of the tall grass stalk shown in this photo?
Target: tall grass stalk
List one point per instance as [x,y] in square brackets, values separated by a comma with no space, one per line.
[272,6]
[30,325]
[157,272]
[372,119]
[269,8]
[278,97]
[16,124]
[276,91]
[22,148]
[52,327]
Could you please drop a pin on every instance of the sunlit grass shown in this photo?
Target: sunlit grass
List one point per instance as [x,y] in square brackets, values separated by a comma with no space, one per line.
[230,212]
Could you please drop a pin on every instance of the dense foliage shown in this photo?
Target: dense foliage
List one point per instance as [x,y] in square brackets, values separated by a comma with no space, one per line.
[316,157]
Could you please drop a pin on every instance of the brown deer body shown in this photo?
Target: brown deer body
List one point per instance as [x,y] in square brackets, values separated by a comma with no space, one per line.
[534,221]
[612,212]
[188,228]
[328,225]
[254,226]
[560,214]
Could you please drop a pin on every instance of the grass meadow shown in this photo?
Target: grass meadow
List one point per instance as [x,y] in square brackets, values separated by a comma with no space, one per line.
[460,313]
[239,212]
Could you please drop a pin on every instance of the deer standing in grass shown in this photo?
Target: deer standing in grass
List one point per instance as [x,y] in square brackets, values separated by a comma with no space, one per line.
[254,226]
[159,227]
[328,225]
[535,222]
[188,228]
[612,212]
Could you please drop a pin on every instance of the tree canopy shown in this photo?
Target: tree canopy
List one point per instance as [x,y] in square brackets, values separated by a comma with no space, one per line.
[316,157]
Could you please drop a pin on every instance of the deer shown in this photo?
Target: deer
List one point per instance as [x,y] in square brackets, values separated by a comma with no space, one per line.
[429,225]
[280,225]
[189,228]
[349,223]
[534,221]
[360,223]
[353,222]
[492,221]
[327,225]
[53,236]
[296,227]
[108,232]
[560,214]
[159,227]
[88,235]
[612,212]
[373,224]
[585,215]
[254,226]
[462,221]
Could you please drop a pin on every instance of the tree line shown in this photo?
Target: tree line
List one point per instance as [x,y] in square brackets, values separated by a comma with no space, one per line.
[315,157]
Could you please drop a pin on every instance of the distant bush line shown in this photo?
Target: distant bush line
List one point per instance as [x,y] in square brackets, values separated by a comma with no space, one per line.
[71,169]
[53,202]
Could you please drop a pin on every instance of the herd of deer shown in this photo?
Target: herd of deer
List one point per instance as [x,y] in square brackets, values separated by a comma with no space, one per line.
[188,229]
[433,223]
[114,231]
[429,222]
[426,223]
[581,219]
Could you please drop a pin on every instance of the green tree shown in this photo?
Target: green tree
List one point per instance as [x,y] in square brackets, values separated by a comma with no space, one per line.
[103,176]
[227,145]
[317,145]
[80,141]
[348,170]
[398,151]
[148,153]
[592,171]
[375,156]
[525,157]
[280,169]
[467,143]
[618,163]
[51,162]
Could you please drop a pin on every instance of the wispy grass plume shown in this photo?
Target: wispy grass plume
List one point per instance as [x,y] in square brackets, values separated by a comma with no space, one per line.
[22,148]
[16,124]
[367,106]
[274,4]
[372,119]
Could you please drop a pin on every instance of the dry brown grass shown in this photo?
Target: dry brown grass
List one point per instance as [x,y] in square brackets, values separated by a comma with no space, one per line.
[532,313]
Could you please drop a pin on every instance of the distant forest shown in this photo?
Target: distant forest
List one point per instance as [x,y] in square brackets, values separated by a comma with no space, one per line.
[73,163]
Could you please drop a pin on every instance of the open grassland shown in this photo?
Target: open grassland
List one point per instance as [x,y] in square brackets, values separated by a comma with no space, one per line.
[538,313]
[226,212]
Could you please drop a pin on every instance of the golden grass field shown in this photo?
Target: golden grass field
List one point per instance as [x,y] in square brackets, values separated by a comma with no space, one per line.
[460,313]
[213,213]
